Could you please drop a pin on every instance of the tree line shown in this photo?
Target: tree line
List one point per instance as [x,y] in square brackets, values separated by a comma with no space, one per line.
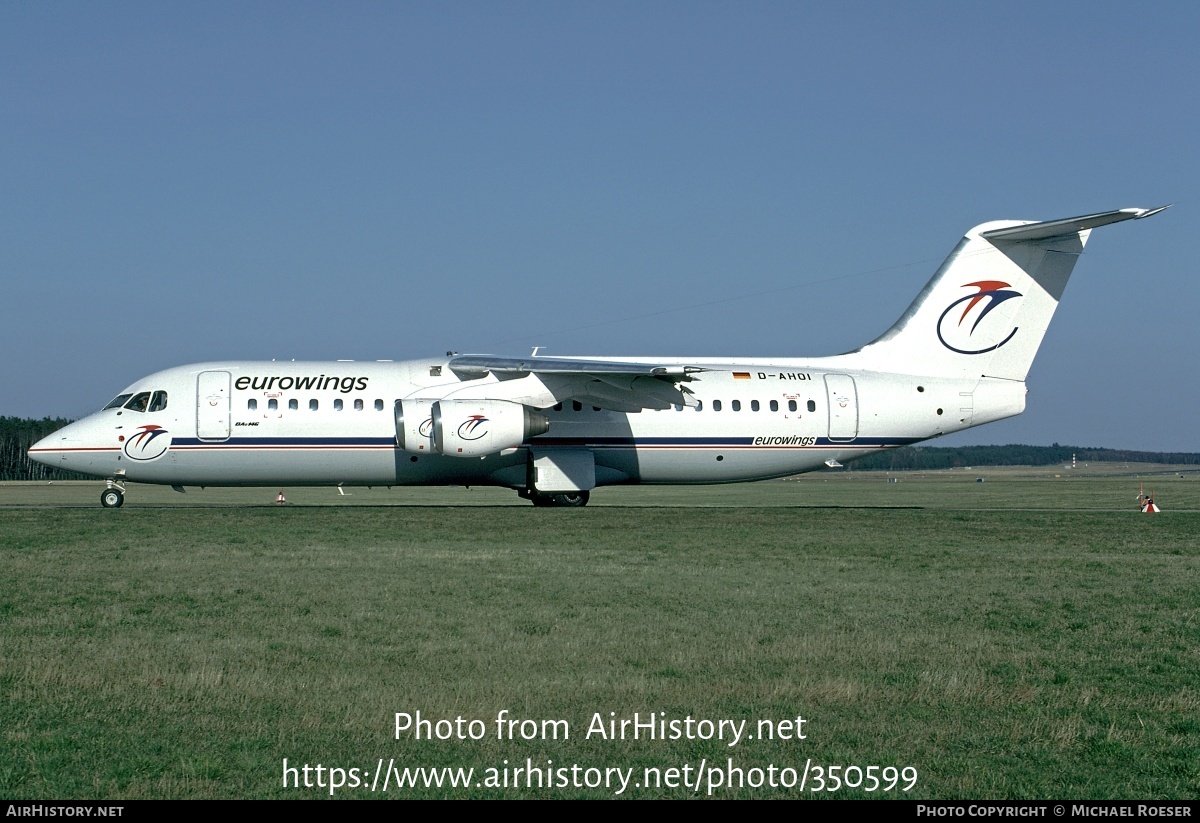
[911,458]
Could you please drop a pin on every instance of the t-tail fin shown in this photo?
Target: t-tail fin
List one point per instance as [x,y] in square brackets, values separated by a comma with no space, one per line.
[986,309]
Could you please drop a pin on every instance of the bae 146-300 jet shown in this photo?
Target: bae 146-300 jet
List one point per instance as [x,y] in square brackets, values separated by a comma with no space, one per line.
[554,428]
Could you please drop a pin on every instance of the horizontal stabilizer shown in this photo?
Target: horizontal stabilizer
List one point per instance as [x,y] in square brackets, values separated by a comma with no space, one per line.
[1071,225]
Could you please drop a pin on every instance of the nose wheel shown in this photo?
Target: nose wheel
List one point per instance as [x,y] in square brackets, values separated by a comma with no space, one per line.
[112,498]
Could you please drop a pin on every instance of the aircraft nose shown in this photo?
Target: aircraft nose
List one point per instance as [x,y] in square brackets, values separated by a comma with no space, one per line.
[75,447]
[44,450]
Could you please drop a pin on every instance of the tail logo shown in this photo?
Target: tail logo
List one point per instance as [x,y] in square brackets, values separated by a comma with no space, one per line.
[965,331]
[472,428]
[150,442]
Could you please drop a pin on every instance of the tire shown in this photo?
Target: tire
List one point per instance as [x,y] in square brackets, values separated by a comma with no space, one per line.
[568,500]
[111,498]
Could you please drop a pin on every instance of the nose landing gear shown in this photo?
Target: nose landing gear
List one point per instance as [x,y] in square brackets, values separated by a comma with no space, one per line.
[112,497]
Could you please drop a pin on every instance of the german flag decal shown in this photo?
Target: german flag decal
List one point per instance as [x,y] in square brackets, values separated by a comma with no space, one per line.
[741,375]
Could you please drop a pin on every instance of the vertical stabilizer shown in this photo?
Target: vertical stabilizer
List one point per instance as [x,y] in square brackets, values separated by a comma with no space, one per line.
[986,309]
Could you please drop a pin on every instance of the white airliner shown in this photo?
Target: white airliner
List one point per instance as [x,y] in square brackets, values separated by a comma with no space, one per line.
[554,428]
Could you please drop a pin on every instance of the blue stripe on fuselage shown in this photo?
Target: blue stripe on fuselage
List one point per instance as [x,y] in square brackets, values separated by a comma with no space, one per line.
[287,441]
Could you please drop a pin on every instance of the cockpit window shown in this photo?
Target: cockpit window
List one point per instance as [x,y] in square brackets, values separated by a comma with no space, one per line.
[118,401]
[158,402]
[139,402]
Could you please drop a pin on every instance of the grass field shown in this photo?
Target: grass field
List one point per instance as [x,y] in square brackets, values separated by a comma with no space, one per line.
[1030,636]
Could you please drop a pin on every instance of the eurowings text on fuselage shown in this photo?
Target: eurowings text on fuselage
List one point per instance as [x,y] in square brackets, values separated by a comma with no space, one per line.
[555,428]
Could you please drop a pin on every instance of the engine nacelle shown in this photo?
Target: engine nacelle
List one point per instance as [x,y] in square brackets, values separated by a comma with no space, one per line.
[414,426]
[475,428]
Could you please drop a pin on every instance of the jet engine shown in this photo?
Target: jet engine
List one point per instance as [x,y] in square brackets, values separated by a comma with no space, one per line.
[414,426]
[475,428]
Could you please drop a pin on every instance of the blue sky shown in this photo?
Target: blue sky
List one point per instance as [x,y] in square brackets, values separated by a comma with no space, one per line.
[190,182]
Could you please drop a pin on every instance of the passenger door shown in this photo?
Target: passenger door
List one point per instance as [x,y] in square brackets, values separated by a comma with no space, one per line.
[213,400]
[843,407]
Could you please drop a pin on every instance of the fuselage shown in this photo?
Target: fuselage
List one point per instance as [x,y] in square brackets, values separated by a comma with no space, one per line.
[315,423]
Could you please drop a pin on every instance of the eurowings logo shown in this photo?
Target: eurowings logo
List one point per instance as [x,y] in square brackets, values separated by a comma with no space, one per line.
[966,331]
[150,442]
[472,428]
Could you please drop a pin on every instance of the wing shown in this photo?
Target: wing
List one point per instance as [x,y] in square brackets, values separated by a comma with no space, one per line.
[544,381]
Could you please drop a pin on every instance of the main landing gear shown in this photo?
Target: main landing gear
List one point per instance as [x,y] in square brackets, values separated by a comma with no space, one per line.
[566,500]
[112,497]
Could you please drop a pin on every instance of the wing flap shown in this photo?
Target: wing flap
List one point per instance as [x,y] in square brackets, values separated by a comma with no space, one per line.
[609,384]
[476,364]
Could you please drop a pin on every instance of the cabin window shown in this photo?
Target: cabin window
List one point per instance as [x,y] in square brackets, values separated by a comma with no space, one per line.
[791,405]
[558,406]
[737,405]
[118,401]
[774,405]
[754,405]
[293,404]
[358,404]
[378,405]
[252,404]
[699,405]
[576,405]
[812,405]
[272,404]
[595,408]
[716,405]
[313,405]
[678,407]
[337,404]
